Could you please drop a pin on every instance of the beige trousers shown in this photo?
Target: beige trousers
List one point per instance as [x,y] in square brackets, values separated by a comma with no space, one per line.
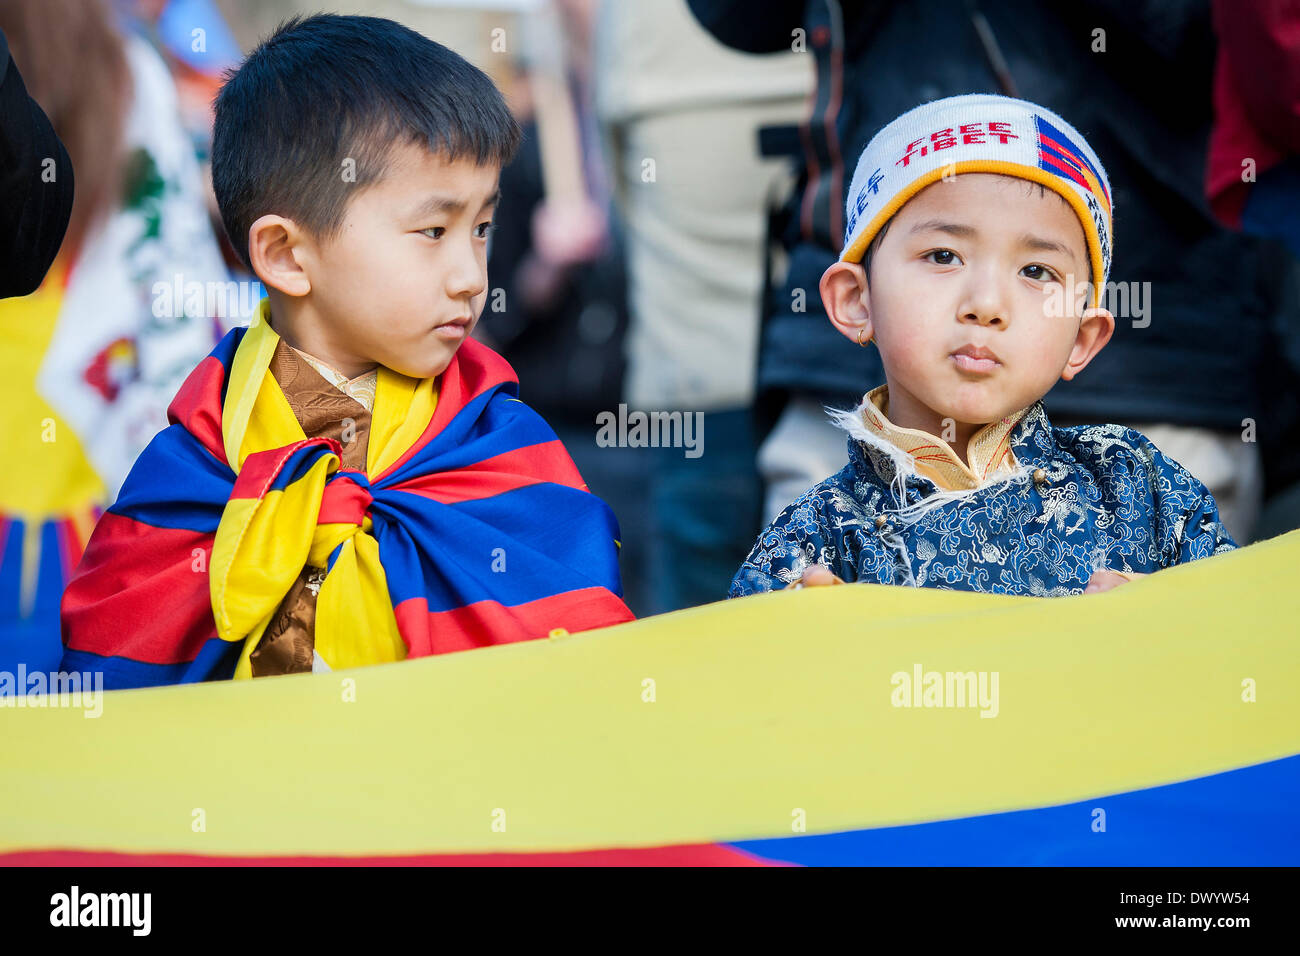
[695,197]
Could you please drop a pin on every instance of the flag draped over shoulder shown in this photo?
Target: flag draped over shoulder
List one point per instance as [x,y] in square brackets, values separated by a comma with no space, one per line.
[470,526]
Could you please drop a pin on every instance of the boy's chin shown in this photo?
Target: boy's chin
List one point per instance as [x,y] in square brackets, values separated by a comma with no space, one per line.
[976,413]
[431,368]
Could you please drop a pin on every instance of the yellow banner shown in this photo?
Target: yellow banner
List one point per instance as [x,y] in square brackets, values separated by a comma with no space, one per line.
[719,723]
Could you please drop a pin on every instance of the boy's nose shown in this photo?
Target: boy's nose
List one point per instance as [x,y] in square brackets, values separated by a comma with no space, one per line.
[985,302]
[990,316]
[467,278]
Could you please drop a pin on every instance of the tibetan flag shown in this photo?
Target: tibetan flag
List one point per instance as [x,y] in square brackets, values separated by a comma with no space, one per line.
[1058,154]
[1154,724]
[469,526]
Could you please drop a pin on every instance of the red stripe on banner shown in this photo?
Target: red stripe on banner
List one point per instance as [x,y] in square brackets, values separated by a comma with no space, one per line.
[197,405]
[483,623]
[137,593]
[702,854]
[531,465]
[474,369]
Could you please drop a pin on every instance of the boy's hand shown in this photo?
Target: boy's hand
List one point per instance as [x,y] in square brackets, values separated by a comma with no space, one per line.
[1105,580]
[815,575]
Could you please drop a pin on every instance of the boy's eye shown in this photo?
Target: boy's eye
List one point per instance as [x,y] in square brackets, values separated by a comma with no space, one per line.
[483,228]
[1039,272]
[437,230]
[942,257]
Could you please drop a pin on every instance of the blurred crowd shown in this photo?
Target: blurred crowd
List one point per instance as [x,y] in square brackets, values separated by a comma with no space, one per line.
[661,234]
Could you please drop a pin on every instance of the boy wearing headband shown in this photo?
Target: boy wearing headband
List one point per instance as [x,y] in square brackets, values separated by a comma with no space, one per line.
[977,246]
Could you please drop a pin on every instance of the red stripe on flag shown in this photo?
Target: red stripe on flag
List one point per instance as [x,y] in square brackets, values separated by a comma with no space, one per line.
[343,502]
[136,593]
[1067,169]
[699,854]
[1076,157]
[261,469]
[485,623]
[197,405]
[543,462]
[474,369]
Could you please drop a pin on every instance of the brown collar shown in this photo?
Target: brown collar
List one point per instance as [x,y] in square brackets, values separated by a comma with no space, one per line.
[321,409]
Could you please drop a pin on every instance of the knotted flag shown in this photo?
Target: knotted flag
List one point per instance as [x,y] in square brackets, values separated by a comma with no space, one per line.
[470,526]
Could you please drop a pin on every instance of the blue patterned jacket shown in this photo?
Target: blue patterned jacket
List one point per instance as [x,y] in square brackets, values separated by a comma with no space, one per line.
[1085,498]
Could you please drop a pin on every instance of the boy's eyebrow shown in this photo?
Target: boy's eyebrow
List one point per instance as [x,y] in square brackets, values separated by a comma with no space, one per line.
[942,225]
[1026,241]
[1039,244]
[450,204]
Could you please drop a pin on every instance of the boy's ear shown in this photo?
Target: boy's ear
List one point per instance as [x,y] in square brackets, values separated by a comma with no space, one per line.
[1095,330]
[275,248]
[846,296]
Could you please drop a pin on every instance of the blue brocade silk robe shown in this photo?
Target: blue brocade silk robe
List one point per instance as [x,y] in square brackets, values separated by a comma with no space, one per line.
[1086,498]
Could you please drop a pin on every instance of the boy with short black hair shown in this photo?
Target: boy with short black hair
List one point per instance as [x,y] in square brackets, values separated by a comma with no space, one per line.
[352,479]
[977,215]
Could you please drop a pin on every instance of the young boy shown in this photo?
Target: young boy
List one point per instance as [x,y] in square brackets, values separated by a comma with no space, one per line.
[351,480]
[979,229]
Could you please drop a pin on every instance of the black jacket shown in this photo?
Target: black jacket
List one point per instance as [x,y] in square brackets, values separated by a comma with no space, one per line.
[34,212]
